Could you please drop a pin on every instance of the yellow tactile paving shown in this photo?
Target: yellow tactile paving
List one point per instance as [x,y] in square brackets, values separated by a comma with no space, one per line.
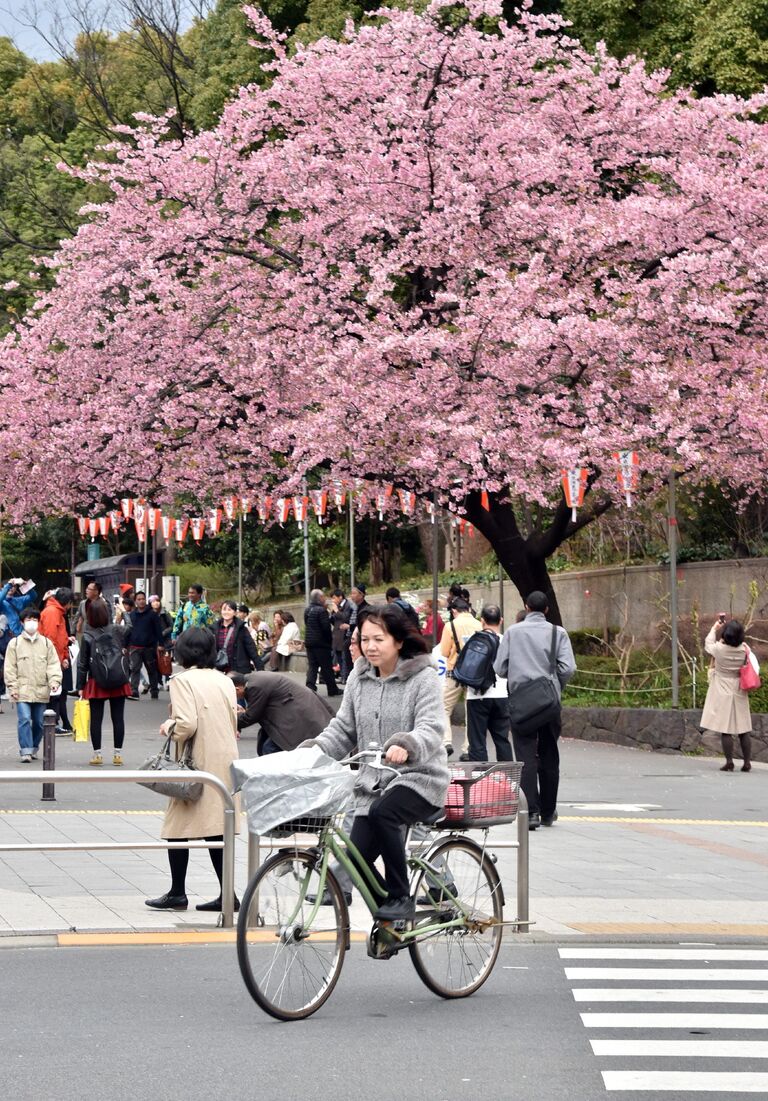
[191,936]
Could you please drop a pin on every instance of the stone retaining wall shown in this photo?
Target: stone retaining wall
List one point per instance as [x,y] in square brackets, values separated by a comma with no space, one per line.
[648,728]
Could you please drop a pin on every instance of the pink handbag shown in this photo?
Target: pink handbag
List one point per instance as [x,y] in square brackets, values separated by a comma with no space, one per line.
[749,680]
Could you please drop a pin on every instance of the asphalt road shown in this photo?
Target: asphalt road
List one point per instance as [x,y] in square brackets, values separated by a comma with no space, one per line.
[576,1023]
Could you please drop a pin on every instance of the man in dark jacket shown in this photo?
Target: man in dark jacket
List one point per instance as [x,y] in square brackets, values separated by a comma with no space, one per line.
[288,712]
[146,634]
[317,643]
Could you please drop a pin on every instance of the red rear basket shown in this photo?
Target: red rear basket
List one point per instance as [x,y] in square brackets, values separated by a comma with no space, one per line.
[482,794]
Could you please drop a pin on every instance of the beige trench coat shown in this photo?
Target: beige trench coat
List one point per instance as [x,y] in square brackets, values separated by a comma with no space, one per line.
[726,708]
[204,705]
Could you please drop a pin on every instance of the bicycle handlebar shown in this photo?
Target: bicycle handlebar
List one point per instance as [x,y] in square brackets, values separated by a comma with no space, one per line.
[377,762]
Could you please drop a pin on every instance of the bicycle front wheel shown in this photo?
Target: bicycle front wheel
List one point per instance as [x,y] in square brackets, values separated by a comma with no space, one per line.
[289,965]
[455,961]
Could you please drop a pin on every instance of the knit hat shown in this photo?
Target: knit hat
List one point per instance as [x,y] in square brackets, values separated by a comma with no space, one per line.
[125,589]
[154,596]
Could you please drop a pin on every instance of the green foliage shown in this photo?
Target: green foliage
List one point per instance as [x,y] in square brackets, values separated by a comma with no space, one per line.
[41,551]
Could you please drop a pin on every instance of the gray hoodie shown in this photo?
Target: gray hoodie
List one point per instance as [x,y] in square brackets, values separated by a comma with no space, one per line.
[404,709]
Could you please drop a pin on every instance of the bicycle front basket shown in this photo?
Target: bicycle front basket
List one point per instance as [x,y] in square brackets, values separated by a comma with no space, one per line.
[282,787]
[482,794]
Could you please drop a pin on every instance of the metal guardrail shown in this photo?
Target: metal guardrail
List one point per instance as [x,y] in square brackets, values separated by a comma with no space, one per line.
[132,776]
[521,921]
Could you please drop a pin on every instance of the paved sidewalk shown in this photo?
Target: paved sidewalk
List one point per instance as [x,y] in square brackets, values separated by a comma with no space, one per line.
[645,844]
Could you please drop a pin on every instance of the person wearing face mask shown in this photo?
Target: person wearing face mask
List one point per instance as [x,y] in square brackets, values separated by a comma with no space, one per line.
[33,674]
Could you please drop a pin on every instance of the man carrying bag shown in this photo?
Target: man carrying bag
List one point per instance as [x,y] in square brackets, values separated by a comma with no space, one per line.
[537,659]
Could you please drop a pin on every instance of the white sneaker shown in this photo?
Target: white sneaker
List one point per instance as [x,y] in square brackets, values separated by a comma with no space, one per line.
[26,758]
[34,754]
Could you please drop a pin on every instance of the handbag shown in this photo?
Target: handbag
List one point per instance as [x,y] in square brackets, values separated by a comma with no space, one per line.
[189,790]
[164,663]
[536,702]
[749,677]
[81,721]
[222,655]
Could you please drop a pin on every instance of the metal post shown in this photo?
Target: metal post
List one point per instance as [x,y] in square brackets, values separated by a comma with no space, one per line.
[228,871]
[306,548]
[522,862]
[146,548]
[240,557]
[673,590]
[435,553]
[351,539]
[254,854]
[49,751]
[693,682]
[501,590]
[153,585]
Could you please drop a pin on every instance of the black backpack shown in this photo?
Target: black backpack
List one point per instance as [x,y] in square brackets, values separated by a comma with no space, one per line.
[474,665]
[109,665]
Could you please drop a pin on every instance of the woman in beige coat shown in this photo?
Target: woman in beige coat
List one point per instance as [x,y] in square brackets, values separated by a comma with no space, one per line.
[203,707]
[726,708]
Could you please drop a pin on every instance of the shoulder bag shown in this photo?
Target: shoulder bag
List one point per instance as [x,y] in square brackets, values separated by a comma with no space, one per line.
[749,677]
[536,702]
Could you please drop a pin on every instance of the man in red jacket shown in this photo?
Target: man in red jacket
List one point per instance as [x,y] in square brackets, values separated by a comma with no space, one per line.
[54,626]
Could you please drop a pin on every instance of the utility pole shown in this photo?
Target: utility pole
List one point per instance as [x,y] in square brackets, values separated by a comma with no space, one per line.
[672,519]
[351,539]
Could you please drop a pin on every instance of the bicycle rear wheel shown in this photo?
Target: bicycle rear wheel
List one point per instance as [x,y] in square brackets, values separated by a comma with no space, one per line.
[455,962]
[289,966]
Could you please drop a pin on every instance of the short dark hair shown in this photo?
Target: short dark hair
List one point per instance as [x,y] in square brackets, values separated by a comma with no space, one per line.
[139,592]
[243,608]
[97,586]
[96,613]
[129,602]
[238,679]
[64,595]
[230,604]
[396,623]
[29,613]
[491,613]
[537,601]
[198,588]
[337,592]
[733,633]
[392,593]
[196,646]
[458,604]
[287,617]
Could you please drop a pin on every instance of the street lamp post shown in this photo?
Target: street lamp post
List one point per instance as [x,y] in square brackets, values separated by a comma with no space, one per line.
[672,524]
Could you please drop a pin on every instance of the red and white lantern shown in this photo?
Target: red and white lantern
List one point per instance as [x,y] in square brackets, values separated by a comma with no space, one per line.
[197,526]
[382,500]
[245,505]
[319,498]
[141,527]
[103,526]
[263,509]
[230,507]
[126,505]
[300,509]
[339,495]
[82,525]
[167,527]
[115,519]
[407,502]
[282,509]
[214,521]
[93,527]
[628,473]
[180,530]
[574,487]
[154,516]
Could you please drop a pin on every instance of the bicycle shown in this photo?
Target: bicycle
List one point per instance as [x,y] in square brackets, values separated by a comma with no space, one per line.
[291,948]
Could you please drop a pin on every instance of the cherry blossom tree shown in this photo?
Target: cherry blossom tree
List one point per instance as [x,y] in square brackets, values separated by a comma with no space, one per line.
[446,253]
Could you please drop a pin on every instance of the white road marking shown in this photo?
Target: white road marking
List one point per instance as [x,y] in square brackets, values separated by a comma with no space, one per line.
[675,1020]
[698,1049]
[630,808]
[675,974]
[726,954]
[638,994]
[681,1080]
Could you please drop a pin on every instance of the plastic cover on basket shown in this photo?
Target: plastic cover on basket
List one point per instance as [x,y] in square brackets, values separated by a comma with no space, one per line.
[281,787]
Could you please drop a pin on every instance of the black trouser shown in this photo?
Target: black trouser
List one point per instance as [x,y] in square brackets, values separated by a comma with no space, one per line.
[541,767]
[116,713]
[143,655]
[319,657]
[380,834]
[490,715]
[346,663]
[179,860]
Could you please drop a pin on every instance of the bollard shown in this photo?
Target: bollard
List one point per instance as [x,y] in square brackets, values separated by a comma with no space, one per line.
[522,863]
[49,751]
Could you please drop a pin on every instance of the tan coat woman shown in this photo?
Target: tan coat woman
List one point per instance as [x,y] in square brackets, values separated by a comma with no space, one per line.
[203,709]
[726,708]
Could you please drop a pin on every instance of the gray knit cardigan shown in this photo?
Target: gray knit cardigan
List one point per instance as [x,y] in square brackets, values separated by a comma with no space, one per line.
[405,709]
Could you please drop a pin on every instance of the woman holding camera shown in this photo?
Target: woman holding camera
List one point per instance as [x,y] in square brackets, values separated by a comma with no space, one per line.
[726,708]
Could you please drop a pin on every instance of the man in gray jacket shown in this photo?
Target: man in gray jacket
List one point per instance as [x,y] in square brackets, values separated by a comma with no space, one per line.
[524,655]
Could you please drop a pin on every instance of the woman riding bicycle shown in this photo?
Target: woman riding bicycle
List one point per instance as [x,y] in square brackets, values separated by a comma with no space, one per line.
[392,700]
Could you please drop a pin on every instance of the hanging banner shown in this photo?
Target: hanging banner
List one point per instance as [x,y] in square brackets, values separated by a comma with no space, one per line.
[300,509]
[628,474]
[245,505]
[197,527]
[154,516]
[104,526]
[126,504]
[282,509]
[574,483]
[230,507]
[382,500]
[214,521]
[167,526]
[319,498]
[180,530]
[82,525]
[407,501]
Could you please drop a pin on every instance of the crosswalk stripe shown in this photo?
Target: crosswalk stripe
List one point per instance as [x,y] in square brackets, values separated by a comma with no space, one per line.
[697,1049]
[675,1020]
[714,954]
[673,974]
[638,994]
[679,1080]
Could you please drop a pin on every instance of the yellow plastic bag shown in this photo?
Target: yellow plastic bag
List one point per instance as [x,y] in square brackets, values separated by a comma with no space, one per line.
[81,721]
